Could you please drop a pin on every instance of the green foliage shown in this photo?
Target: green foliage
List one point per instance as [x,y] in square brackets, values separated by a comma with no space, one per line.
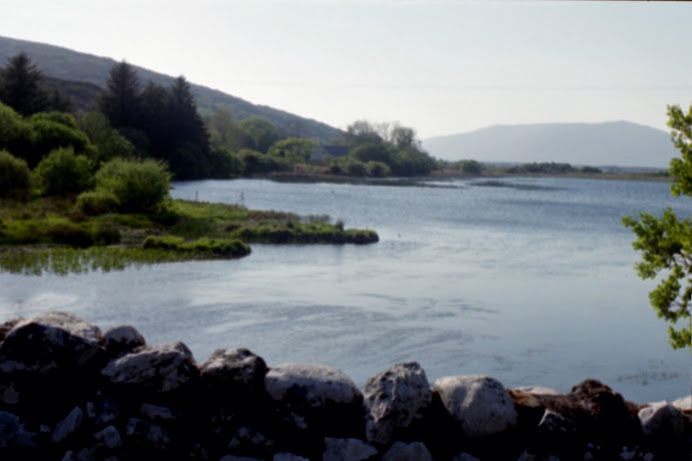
[224,132]
[62,172]
[224,164]
[470,167]
[15,176]
[356,168]
[295,149]
[20,86]
[666,242]
[203,247]
[261,134]
[378,169]
[542,168]
[109,142]
[97,202]
[139,186]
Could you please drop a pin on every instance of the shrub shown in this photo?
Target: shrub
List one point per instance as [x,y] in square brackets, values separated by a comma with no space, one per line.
[138,186]
[356,168]
[14,174]
[378,169]
[97,202]
[62,172]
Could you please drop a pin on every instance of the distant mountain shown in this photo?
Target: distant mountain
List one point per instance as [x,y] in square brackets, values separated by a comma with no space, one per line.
[599,144]
[81,75]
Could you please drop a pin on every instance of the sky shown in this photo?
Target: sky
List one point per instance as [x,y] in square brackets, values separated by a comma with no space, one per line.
[441,67]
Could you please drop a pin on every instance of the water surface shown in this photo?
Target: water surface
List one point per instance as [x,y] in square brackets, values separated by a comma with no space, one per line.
[529,280]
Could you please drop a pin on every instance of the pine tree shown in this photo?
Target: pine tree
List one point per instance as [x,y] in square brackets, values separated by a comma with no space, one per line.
[121,100]
[20,86]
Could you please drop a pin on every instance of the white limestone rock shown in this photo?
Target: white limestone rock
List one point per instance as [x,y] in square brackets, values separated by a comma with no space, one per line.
[478,403]
[310,386]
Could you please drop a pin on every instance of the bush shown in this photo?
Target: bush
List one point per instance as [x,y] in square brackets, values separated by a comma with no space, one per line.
[62,172]
[97,202]
[378,169]
[356,168]
[14,175]
[138,186]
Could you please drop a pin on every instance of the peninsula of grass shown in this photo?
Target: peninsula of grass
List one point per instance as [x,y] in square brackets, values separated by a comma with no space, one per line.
[52,234]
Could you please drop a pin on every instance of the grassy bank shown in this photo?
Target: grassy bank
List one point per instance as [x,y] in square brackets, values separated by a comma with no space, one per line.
[51,234]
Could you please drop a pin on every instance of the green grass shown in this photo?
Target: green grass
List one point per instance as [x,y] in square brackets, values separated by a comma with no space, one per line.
[53,235]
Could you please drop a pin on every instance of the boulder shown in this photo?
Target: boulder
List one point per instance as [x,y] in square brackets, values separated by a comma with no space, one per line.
[288,457]
[110,437]
[317,397]
[153,369]
[465,457]
[555,425]
[347,450]
[234,374]
[144,434]
[122,339]
[68,426]
[401,451]
[49,342]
[395,401]
[479,404]
[662,419]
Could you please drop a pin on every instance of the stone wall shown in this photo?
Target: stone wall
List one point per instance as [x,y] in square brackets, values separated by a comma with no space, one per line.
[70,392]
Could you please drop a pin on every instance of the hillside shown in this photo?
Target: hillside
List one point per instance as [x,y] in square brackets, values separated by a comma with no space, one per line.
[619,143]
[82,73]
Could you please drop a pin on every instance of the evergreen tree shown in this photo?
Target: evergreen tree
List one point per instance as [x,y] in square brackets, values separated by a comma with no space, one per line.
[20,86]
[121,101]
[185,122]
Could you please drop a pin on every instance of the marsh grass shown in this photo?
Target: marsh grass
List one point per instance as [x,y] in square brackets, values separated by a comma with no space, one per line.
[54,235]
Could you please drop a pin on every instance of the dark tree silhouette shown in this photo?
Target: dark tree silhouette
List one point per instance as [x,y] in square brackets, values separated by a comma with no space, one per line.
[20,86]
[121,101]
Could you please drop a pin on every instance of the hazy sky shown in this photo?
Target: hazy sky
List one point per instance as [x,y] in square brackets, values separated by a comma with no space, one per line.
[441,67]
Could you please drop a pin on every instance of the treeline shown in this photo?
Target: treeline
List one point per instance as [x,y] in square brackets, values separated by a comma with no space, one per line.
[475,168]
[150,121]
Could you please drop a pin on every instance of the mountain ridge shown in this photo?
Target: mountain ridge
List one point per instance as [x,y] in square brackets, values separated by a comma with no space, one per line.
[612,143]
[65,64]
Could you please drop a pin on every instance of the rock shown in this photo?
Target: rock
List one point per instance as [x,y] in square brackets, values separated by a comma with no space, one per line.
[553,424]
[465,457]
[102,409]
[347,450]
[401,451]
[479,404]
[318,397]
[6,327]
[9,429]
[684,403]
[122,339]
[145,434]
[68,426]
[110,437]
[153,369]
[311,386]
[662,419]
[234,374]
[395,400]
[51,341]
[158,414]
[537,390]
[288,457]
[249,440]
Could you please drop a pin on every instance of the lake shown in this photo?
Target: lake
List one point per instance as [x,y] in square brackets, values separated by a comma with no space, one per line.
[529,280]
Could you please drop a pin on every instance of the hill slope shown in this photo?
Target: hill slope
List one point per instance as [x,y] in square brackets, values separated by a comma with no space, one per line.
[600,144]
[68,65]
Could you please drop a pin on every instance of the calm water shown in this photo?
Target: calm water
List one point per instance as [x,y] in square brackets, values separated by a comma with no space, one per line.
[529,280]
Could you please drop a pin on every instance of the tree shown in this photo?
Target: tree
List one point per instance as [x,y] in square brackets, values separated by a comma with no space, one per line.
[121,102]
[294,148]
[666,242]
[261,134]
[20,86]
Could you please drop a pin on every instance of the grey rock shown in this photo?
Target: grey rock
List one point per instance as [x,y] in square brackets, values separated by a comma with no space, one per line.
[288,457]
[394,400]
[238,458]
[157,414]
[478,403]
[110,436]
[122,339]
[662,419]
[465,457]
[49,342]
[310,386]
[158,369]
[555,424]
[401,451]
[9,394]
[234,371]
[68,426]
[537,390]
[102,410]
[683,403]
[249,439]
[9,429]
[144,432]
[347,450]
